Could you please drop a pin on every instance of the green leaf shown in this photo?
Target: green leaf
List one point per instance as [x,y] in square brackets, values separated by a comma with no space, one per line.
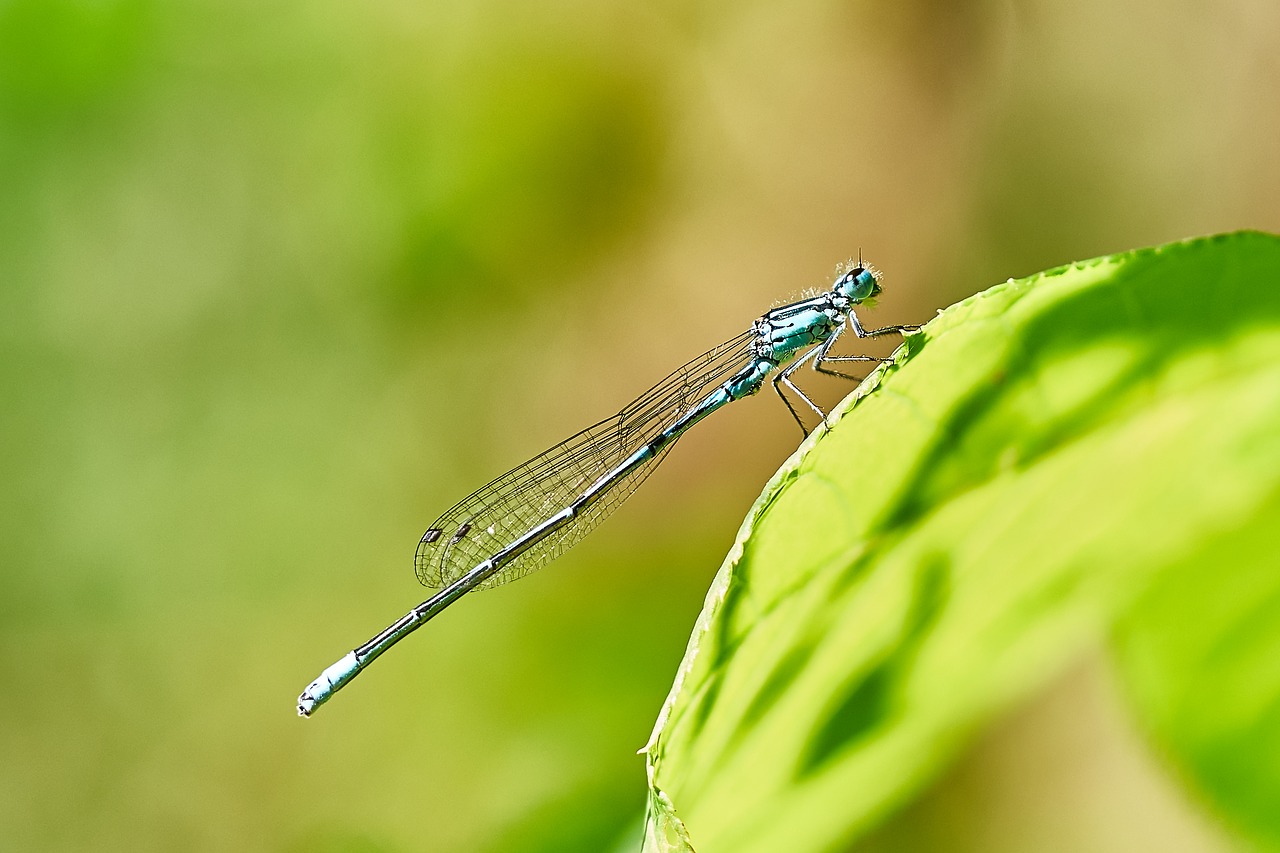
[1092,447]
[1201,656]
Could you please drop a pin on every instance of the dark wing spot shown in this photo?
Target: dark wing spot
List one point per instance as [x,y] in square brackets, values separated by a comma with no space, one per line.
[432,535]
[462,531]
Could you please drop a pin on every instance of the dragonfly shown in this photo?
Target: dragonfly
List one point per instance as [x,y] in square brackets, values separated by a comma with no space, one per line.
[532,514]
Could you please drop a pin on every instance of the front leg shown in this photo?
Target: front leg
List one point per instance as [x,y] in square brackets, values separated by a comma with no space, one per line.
[875,333]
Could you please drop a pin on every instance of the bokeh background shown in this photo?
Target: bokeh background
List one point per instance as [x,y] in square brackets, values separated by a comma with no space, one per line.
[280,282]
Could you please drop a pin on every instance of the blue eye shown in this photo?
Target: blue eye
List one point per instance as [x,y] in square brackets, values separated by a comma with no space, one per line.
[858,284]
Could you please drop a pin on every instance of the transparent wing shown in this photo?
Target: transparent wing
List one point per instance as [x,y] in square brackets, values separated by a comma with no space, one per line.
[483,523]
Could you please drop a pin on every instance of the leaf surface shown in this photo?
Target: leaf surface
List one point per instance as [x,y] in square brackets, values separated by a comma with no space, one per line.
[1082,453]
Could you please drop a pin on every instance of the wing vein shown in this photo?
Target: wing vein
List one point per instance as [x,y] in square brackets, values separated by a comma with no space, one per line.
[496,514]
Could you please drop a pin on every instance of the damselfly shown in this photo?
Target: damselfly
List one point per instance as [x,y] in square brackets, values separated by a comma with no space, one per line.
[534,513]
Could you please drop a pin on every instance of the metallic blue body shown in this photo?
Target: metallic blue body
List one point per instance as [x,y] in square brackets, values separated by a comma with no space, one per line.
[778,337]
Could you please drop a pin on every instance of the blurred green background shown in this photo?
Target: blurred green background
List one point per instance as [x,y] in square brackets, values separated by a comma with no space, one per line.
[280,282]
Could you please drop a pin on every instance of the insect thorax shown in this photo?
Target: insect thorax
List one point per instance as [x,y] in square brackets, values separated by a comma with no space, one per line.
[785,332]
